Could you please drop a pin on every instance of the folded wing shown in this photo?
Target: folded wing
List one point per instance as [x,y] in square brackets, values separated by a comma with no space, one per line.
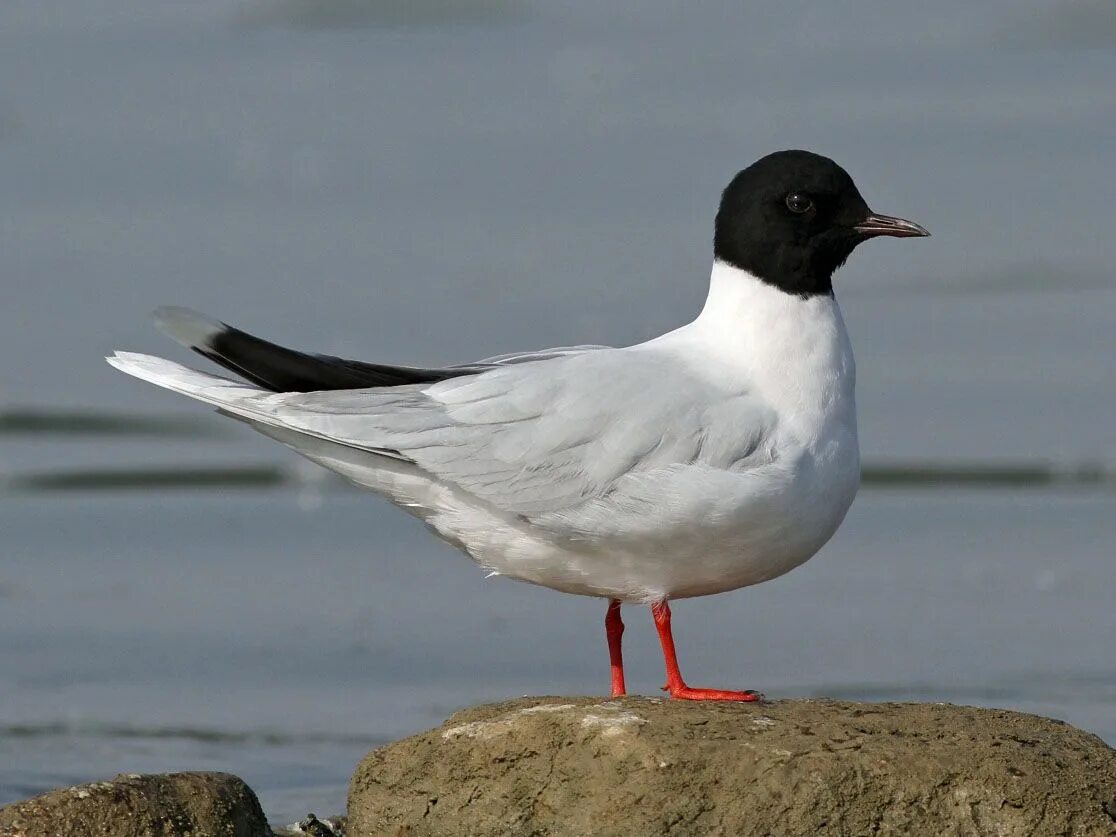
[530,438]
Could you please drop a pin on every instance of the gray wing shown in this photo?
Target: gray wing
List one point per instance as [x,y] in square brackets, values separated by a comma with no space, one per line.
[527,357]
[536,438]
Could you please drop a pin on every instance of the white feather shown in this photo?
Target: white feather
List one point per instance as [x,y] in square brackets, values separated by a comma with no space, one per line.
[716,456]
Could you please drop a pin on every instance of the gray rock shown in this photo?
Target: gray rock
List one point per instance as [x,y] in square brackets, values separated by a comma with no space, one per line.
[131,805]
[578,766]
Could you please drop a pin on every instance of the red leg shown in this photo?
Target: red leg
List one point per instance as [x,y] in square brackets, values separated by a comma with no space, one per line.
[614,630]
[675,684]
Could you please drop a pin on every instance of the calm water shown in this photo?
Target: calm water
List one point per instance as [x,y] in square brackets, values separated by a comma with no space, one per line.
[437,181]
[241,631]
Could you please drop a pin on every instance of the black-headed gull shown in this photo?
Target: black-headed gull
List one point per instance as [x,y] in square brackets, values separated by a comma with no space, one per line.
[719,455]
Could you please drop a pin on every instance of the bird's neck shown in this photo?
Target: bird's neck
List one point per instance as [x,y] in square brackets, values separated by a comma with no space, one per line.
[794,350]
[737,297]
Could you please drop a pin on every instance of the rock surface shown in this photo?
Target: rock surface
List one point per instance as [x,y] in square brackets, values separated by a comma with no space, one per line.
[577,766]
[131,805]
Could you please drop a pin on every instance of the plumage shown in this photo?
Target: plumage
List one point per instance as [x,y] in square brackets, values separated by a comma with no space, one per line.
[584,456]
[719,455]
[277,368]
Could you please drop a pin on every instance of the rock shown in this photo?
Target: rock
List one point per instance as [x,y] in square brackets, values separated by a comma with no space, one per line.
[578,766]
[131,805]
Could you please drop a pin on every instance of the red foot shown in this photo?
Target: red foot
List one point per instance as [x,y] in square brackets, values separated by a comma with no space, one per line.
[675,685]
[690,693]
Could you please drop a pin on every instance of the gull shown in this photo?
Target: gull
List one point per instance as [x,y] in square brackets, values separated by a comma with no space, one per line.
[719,455]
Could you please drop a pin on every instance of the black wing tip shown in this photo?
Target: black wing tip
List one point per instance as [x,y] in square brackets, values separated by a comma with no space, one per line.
[186,326]
[280,369]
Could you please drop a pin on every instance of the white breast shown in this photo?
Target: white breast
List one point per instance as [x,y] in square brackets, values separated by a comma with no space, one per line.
[795,354]
[719,529]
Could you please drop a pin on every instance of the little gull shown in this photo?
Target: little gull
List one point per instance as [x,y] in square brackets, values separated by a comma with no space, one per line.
[716,456]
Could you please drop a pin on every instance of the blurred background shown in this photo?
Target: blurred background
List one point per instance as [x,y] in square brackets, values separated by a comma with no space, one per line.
[431,181]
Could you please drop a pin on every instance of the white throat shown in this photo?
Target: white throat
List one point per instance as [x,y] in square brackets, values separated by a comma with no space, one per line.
[793,352]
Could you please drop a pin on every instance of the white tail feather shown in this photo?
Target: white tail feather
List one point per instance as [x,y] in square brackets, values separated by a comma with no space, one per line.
[236,398]
[213,389]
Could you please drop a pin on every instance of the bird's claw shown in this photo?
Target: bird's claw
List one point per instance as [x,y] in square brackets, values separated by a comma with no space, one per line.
[690,693]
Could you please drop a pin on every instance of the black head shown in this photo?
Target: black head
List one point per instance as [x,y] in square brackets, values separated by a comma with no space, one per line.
[792,218]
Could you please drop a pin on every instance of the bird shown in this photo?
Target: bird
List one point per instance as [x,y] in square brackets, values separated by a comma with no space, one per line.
[719,455]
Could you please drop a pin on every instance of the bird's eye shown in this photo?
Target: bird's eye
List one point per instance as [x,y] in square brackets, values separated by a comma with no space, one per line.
[799,202]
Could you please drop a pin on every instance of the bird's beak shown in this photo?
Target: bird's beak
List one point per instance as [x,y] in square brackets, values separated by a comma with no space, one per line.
[886,225]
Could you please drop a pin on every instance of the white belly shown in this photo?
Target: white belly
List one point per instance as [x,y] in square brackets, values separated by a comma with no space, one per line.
[714,531]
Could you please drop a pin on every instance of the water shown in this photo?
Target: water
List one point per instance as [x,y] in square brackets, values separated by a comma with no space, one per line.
[252,632]
[442,181]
